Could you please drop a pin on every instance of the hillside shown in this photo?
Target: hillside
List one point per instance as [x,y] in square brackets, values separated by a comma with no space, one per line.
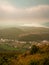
[35,37]
[23,32]
[38,56]
[34,34]
[10,33]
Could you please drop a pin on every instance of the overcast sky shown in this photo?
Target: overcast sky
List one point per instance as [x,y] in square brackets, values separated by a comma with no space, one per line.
[24,12]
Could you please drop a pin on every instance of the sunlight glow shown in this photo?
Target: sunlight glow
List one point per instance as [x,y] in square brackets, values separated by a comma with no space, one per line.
[33,24]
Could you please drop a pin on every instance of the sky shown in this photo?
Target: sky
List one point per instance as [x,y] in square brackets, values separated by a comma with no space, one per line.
[24,12]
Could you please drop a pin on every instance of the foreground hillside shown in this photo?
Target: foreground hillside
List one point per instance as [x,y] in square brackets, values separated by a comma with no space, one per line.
[36,56]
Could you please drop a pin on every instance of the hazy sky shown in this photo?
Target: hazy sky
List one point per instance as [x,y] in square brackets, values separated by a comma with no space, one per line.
[24,12]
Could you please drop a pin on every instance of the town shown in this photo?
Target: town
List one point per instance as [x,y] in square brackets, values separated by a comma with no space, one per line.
[23,44]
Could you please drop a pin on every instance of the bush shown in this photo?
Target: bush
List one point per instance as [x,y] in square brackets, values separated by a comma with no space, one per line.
[34,49]
[34,62]
[46,61]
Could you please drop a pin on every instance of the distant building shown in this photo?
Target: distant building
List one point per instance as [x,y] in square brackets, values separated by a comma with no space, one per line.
[39,44]
[45,42]
[2,40]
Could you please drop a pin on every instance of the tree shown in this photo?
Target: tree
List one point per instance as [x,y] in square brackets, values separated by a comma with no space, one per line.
[34,49]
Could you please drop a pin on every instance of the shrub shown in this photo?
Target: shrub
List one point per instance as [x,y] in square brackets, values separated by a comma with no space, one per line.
[46,61]
[34,49]
[34,62]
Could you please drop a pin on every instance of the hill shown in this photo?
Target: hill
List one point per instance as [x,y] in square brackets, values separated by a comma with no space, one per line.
[25,33]
[34,34]
[10,33]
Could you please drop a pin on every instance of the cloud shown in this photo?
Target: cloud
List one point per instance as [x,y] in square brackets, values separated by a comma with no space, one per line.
[7,10]
[38,11]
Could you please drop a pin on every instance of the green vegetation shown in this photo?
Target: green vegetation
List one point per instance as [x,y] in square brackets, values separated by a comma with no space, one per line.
[33,62]
[34,49]
[5,47]
[16,58]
